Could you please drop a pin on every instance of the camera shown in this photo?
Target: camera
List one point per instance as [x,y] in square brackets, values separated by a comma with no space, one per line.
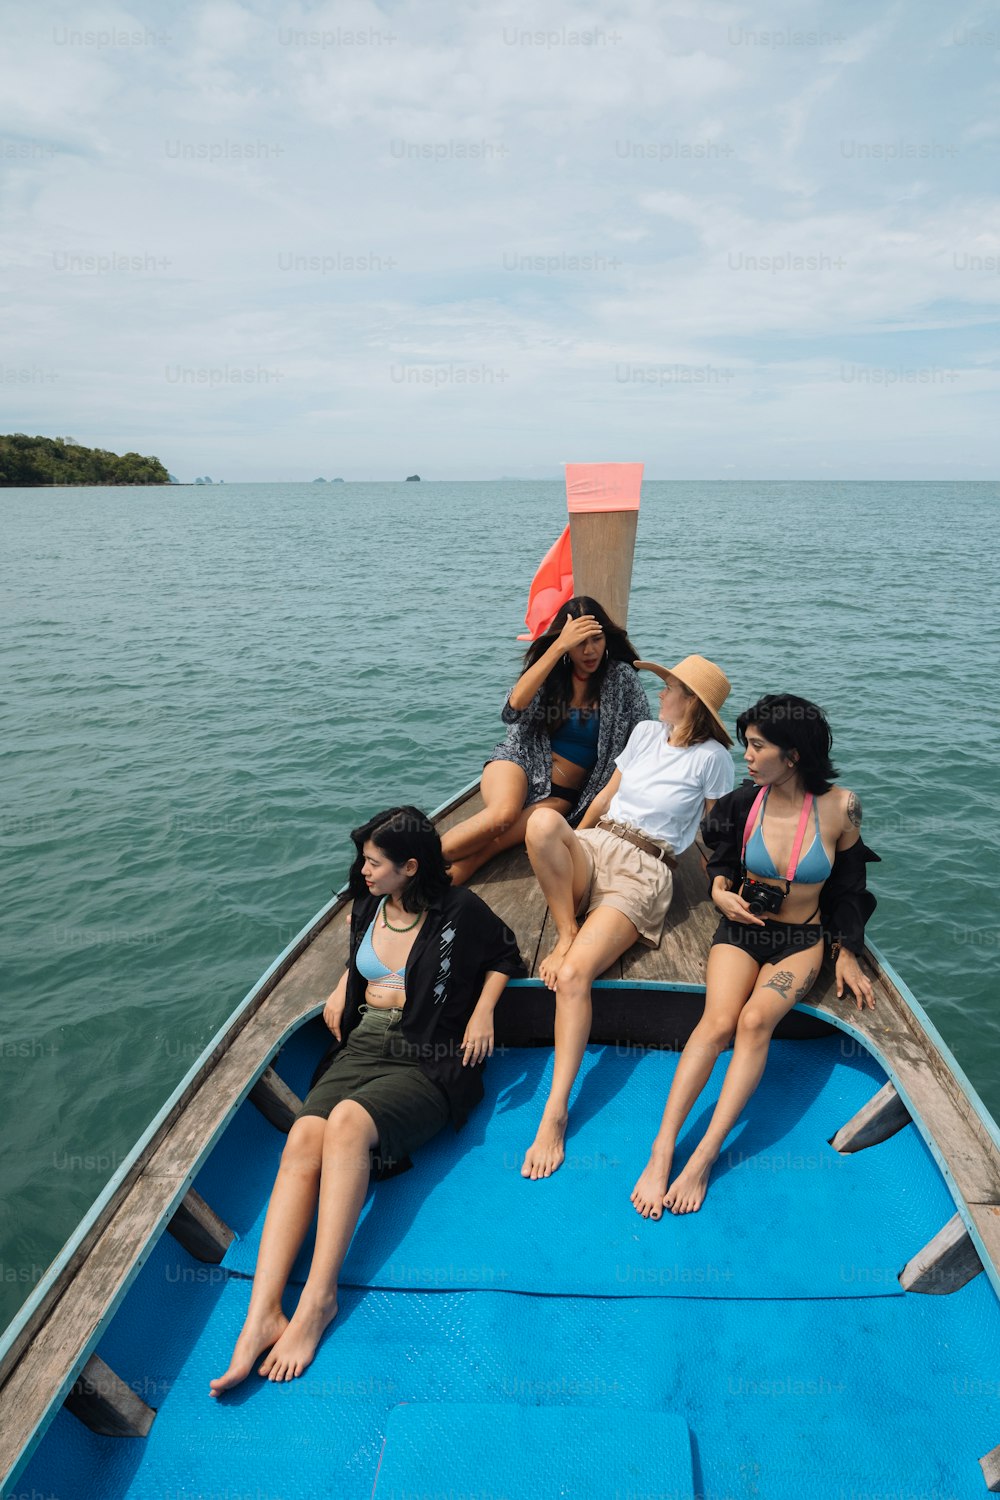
[762,898]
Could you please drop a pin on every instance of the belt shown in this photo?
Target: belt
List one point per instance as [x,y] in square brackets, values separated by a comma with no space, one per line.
[631,836]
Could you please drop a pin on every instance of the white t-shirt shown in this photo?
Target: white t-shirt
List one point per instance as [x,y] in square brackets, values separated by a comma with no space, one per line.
[663,787]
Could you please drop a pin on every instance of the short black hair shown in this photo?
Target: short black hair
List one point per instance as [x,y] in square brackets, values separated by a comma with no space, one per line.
[794,723]
[404,833]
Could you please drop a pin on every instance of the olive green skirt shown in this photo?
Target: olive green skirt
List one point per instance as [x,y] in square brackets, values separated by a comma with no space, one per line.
[377,1069]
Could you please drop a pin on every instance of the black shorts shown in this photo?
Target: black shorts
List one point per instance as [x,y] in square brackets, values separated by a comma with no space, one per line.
[768,944]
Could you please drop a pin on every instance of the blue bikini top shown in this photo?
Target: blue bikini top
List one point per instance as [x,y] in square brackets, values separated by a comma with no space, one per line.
[812,868]
[371,967]
[576,740]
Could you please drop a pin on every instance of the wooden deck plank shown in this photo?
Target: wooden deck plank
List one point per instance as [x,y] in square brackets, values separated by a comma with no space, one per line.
[881,1117]
[990,1465]
[945,1264]
[105,1404]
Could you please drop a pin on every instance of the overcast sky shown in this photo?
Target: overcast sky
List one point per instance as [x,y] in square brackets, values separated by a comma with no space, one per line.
[279,240]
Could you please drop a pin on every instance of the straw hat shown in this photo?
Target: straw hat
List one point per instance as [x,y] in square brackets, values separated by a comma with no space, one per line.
[707,681]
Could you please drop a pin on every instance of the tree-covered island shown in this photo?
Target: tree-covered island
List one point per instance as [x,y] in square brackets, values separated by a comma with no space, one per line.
[42,460]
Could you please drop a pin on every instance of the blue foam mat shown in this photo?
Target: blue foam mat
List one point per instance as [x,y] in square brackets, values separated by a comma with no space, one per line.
[465,1218]
[885,1395]
[479,1448]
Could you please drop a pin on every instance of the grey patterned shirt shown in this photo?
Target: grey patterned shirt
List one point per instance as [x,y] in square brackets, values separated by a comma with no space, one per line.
[623,705]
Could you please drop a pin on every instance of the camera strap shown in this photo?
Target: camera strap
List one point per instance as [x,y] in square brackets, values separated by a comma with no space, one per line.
[800,833]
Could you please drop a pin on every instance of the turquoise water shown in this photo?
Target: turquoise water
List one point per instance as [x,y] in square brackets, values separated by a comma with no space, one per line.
[205,689]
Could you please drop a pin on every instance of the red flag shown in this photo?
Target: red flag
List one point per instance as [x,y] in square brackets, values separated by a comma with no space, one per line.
[551,588]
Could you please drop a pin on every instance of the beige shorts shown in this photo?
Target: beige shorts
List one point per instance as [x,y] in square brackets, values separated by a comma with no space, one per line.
[633,882]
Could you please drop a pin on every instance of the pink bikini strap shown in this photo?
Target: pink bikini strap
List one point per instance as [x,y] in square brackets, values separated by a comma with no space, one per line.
[799,836]
[751,820]
[800,833]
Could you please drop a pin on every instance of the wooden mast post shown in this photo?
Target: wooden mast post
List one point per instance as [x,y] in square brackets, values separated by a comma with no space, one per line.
[603,505]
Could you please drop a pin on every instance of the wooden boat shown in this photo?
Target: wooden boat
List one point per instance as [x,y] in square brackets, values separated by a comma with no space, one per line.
[560,1345]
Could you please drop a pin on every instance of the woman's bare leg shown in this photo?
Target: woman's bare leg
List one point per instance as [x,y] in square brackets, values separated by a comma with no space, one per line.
[779,986]
[604,936]
[348,1139]
[563,871]
[730,978]
[463,869]
[504,788]
[289,1214]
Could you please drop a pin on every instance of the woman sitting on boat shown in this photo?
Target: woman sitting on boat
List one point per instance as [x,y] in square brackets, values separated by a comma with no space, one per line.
[617,867]
[413,1019]
[768,947]
[570,714]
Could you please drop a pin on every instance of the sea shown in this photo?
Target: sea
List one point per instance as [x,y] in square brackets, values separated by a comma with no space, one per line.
[203,689]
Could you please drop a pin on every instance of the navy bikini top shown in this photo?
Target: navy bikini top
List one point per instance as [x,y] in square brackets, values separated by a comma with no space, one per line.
[812,868]
[371,967]
[576,740]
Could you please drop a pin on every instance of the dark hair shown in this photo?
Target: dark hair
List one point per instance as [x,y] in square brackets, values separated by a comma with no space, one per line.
[557,690]
[794,724]
[404,833]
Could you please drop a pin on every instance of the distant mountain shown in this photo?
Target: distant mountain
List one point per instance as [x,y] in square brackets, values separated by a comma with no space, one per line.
[410,477]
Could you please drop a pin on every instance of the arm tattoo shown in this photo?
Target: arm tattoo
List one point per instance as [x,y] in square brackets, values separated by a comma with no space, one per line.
[854,809]
[782,982]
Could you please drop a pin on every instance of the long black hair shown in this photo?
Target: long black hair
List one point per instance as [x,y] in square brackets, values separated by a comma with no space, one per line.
[799,728]
[557,690]
[404,833]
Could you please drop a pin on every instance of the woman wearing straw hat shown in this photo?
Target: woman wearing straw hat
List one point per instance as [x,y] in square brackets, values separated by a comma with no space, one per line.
[787,868]
[617,866]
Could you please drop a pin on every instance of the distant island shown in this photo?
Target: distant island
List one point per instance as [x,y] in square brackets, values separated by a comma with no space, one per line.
[411,477]
[42,460]
[328,481]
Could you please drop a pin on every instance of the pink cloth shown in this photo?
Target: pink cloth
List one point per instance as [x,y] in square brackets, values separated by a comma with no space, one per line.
[551,588]
[603,486]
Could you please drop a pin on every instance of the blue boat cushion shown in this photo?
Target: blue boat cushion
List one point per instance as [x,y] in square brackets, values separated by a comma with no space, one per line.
[465,1218]
[526,1452]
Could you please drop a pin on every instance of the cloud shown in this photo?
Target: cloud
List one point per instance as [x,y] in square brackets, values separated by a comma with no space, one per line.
[290,203]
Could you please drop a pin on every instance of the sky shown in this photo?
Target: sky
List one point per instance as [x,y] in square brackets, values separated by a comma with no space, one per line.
[278,241]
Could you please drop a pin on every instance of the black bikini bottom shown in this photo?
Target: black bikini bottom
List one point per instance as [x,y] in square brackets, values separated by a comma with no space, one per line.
[567,793]
[770,943]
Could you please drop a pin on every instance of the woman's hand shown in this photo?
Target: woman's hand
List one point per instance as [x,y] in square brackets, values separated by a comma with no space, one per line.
[575,631]
[851,974]
[333,1010]
[477,1043]
[734,907]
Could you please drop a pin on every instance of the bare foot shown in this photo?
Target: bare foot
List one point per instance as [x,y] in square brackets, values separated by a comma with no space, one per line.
[688,1189]
[546,1153]
[548,969]
[649,1193]
[256,1335]
[296,1348]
